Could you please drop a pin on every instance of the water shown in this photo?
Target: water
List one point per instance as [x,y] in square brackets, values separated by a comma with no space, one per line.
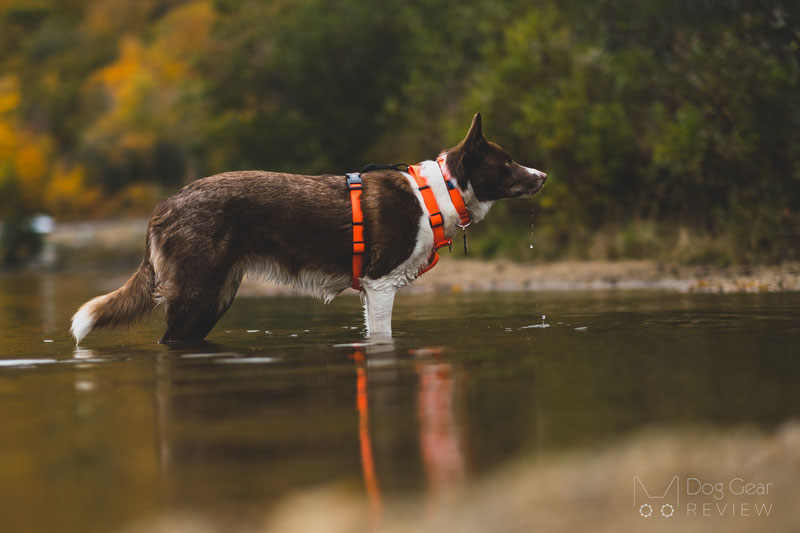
[286,395]
[533,217]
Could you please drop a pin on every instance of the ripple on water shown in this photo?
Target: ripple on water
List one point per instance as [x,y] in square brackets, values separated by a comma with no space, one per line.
[250,360]
[25,362]
[209,354]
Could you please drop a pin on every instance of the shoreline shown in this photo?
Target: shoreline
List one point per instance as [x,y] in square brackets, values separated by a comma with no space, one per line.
[117,245]
[477,275]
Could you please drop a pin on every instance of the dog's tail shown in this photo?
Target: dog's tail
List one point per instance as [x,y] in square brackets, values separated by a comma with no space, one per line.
[127,304]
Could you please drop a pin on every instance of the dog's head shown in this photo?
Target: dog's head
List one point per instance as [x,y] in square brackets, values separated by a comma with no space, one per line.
[490,169]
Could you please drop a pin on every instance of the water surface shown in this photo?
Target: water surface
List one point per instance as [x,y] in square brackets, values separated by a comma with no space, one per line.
[285,395]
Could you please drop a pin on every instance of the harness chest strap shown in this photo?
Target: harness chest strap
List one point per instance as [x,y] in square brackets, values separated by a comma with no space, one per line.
[436,218]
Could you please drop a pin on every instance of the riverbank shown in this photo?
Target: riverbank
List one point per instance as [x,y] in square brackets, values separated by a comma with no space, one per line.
[475,275]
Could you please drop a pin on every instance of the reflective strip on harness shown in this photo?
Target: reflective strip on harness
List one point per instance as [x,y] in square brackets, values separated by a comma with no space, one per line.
[355,185]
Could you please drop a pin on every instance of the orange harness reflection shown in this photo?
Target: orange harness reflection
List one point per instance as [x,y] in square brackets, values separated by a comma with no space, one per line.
[441,447]
[367,462]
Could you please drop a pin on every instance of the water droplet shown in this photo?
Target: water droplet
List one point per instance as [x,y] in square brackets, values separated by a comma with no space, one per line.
[531,246]
[543,317]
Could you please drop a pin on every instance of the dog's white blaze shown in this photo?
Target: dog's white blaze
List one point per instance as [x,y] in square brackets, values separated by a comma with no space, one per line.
[83,320]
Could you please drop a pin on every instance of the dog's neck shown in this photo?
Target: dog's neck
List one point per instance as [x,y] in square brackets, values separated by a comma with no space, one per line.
[476,208]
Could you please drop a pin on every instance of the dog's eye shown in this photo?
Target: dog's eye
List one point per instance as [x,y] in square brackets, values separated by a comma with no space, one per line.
[508,162]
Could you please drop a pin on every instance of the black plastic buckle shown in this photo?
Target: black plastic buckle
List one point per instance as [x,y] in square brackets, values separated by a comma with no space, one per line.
[354,181]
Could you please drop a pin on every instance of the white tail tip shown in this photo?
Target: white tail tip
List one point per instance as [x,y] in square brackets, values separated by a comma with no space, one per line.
[83,320]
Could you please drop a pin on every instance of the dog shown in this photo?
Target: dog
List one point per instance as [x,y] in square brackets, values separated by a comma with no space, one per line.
[299,230]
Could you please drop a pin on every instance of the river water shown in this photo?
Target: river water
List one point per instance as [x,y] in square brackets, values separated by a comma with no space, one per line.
[285,395]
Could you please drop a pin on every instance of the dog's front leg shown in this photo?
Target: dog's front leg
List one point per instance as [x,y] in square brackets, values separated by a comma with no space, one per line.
[378,303]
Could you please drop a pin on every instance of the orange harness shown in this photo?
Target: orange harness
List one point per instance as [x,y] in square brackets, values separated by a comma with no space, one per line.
[355,185]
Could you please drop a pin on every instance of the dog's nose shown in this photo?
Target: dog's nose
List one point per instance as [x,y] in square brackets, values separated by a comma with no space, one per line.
[537,173]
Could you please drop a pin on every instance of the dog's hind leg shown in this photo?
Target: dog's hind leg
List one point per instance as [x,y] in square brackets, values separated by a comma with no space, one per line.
[192,315]
[378,303]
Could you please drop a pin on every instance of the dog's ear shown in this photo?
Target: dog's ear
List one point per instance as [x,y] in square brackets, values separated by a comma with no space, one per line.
[466,154]
[474,136]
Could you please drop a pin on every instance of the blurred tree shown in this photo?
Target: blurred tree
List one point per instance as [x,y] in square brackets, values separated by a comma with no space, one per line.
[656,121]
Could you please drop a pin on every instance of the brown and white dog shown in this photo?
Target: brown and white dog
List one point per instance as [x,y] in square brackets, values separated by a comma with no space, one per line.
[298,230]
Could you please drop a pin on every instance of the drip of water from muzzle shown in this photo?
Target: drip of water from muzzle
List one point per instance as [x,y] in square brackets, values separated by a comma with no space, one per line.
[533,215]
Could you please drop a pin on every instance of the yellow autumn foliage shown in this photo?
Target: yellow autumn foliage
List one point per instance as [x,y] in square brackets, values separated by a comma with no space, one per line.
[31,163]
[68,196]
[139,92]
[28,167]
[133,101]
[7,140]
[9,94]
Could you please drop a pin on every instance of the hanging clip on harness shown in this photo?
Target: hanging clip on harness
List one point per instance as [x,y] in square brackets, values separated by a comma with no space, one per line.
[355,185]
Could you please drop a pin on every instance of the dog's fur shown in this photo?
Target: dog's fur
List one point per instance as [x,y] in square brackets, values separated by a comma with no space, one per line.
[297,230]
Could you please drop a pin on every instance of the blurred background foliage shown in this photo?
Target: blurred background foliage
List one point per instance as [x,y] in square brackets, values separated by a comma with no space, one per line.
[670,128]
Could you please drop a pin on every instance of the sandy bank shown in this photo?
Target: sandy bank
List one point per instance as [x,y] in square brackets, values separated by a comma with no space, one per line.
[112,244]
[452,275]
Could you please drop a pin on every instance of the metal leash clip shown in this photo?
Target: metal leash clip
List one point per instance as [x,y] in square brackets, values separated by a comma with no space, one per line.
[464,230]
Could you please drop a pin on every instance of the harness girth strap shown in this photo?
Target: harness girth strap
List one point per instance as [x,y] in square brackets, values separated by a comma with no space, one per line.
[355,185]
